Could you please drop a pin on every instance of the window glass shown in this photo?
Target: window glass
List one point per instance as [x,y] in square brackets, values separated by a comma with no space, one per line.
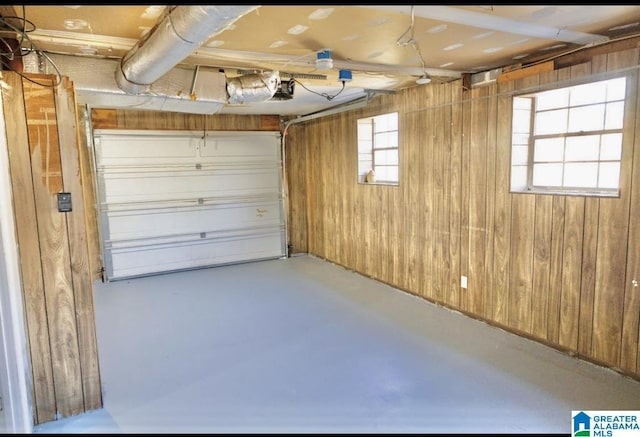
[378,149]
[586,118]
[581,174]
[549,149]
[588,94]
[552,99]
[576,136]
[583,148]
[551,122]
[548,175]
[611,147]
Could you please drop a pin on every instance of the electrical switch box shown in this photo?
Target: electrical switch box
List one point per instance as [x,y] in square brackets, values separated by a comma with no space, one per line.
[64,202]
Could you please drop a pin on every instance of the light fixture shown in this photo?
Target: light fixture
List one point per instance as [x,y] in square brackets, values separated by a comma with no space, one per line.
[345,76]
[323,60]
[424,79]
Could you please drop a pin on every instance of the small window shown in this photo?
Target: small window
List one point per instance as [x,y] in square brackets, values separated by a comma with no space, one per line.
[378,149]
[569,140]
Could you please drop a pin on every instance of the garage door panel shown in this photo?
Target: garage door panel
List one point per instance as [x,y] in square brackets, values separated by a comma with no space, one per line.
[164,258]
[137,150]
[229,149]
[156,187]
[179,240]
[136,224]
[187,200]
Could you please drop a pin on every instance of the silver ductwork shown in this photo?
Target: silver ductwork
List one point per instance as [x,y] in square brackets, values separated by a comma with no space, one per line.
[203,90]
[180,33]
[253,87]
[148,77]
[179,90]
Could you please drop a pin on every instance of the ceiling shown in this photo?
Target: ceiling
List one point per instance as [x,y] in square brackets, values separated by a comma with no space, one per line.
[384,48]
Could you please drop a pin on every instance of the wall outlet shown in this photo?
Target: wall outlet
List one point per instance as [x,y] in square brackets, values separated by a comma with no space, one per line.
[463,281]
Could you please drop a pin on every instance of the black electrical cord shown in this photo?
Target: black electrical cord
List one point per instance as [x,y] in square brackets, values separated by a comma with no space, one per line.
[325,95]
[23,35]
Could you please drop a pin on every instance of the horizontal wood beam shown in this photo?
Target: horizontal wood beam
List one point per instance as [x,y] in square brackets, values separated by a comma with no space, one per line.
[526,72]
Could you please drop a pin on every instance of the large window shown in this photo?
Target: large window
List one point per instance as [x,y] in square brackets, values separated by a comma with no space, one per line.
[569,140]
[378,149]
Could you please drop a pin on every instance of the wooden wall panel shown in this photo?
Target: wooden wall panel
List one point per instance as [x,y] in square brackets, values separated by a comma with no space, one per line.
[81,273]
[381,213]
[432,188]
[454,196]
[499,308]
[43,143]
[89,194]
[541,264]
[153,120]
[397,239]
[29,249]
[477,198]
[295,153]
[46,168]
[630,347]
[442,184]
[613,223]
[521,262]
[327,136]
[467,96]
[490,200]
[345,196]
[571,270]
[413,208]
[555,268]
[587,276]
[340,245]
[426,191]
[315,186]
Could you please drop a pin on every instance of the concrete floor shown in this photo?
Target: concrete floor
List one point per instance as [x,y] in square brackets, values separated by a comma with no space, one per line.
[302,345]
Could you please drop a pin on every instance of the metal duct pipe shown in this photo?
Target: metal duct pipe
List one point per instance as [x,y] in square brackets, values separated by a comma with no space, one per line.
[251,88]
[181,32]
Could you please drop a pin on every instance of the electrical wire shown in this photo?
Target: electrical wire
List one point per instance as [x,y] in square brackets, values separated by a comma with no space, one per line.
[325,95]
[21,32]
[23,35]
[412,41]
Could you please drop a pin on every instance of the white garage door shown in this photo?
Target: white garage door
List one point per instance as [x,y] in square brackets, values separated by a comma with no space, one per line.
[176,200]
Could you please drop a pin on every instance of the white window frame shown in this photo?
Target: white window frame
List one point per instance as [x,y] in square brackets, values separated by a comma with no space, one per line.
[367,148]
[525,140]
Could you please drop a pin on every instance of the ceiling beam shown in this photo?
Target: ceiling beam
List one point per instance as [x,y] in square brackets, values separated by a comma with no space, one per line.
[223,56]
[258,58]
[451,14]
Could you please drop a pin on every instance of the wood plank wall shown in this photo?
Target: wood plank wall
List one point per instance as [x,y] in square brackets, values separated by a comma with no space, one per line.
[557,269]
[158,120]
[41,129]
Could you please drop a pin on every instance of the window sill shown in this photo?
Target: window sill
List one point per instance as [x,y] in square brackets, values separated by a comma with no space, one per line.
[393,184]
[570,193]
